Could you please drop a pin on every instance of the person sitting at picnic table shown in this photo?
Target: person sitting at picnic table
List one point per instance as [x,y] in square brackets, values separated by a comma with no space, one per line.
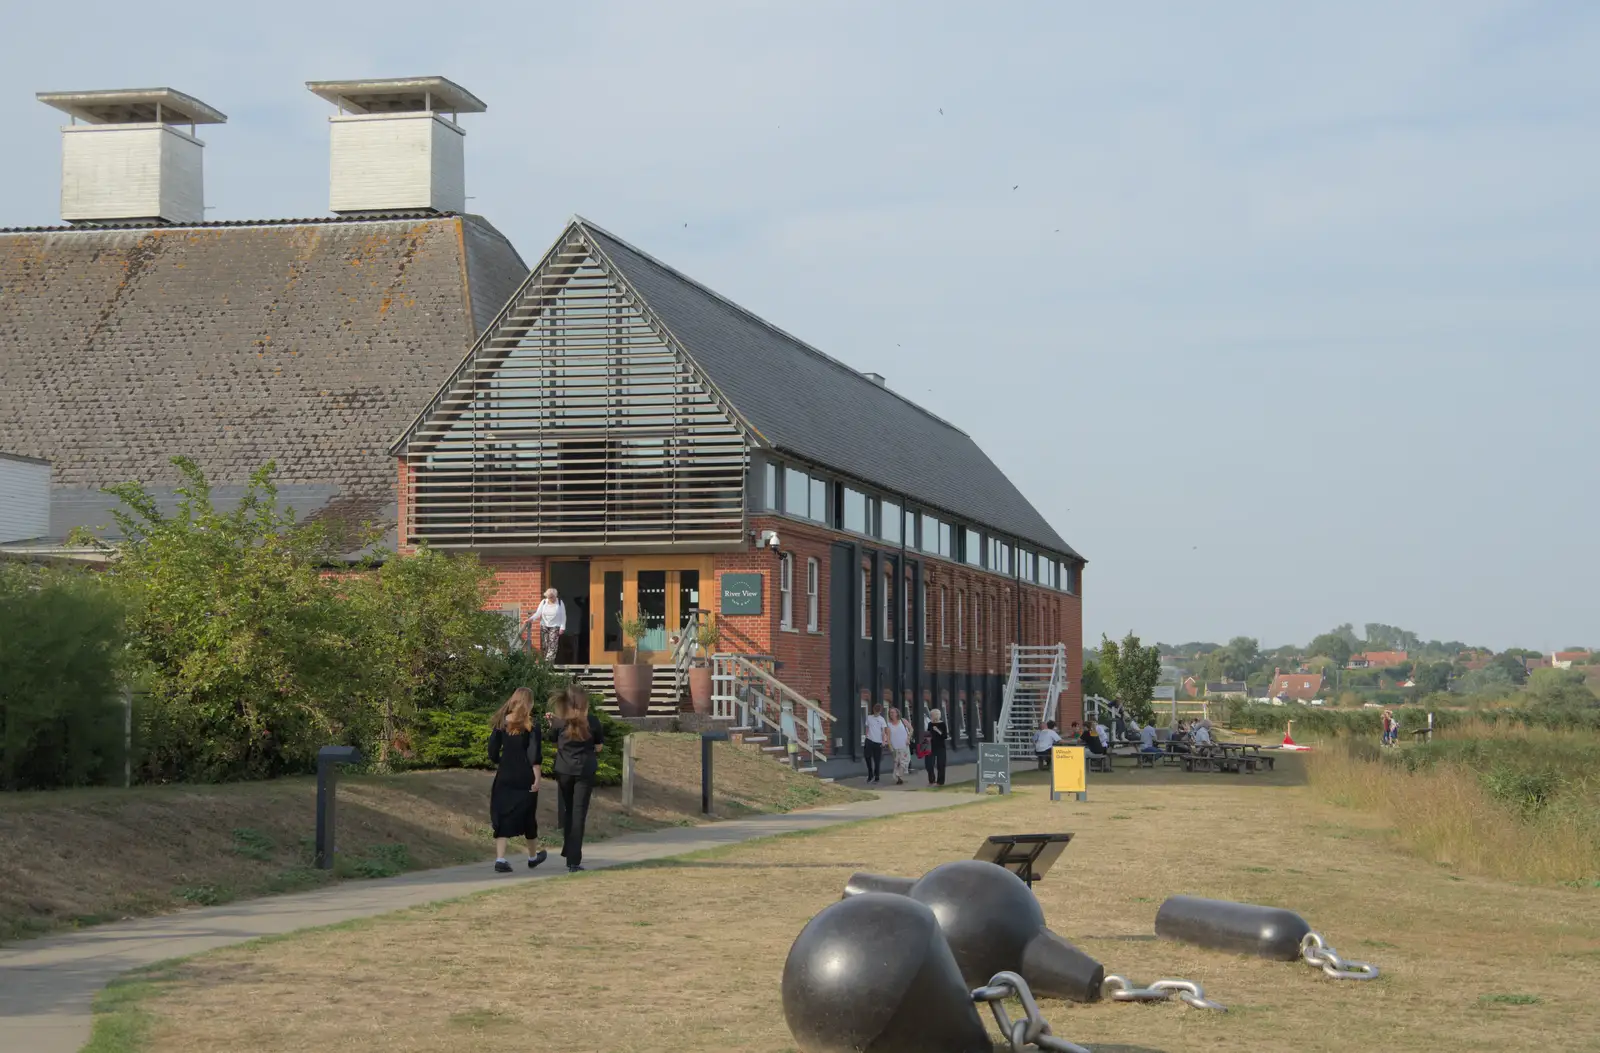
[1147,739]
[1178,741]
[1044,741]
[1091,740]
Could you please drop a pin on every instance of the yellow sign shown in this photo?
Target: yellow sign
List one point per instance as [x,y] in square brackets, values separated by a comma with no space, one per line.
[1068,772]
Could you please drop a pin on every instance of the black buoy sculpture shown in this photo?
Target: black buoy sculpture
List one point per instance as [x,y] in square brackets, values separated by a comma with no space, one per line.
[1222,925]
[874,974]
[993,923]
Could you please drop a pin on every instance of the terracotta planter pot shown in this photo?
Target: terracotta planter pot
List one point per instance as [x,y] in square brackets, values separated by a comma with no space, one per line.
[633,683]
[700,688]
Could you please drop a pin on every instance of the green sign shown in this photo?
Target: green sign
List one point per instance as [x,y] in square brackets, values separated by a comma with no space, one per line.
[994,766]
[741,594]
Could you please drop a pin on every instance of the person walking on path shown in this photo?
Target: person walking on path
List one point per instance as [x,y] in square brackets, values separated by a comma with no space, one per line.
[938,736]
[578,737]
[1391,728]
[551,618]
[872,748]
[900,745]
[515,750]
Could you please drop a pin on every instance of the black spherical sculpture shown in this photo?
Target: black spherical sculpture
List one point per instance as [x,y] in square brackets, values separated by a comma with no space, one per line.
[873,974]
[994,923]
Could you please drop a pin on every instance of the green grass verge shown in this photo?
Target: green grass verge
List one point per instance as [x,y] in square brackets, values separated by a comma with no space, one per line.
[121,1019]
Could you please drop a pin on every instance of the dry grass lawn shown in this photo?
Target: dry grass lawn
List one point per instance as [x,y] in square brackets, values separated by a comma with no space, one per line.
[687,955]
[78,857]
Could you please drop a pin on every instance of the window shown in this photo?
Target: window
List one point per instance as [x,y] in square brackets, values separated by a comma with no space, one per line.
[812,574]
[856,515]
[1025,564]
[1074,578]
[771,491]
[786,591]
[911,529]
[944,540]
[943,640]
[961,621]
[1048,578]
[991,638]
[1005,558]
[866,604]
[888,606]
[819,499]
[972,546]
[910,622]
[930,534]
[927,619]
[889,512]
[796,492]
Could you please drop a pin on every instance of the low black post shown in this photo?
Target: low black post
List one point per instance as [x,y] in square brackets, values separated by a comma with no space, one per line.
[328,760]
[706,739]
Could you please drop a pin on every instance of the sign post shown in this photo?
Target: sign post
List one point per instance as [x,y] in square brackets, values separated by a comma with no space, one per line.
[1069,772]
[994,767]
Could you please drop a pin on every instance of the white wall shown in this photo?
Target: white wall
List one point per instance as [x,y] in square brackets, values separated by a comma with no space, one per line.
[396,161]
[131,171]
[24,500]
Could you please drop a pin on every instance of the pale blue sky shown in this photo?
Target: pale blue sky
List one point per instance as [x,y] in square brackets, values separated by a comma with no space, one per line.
[1291,318]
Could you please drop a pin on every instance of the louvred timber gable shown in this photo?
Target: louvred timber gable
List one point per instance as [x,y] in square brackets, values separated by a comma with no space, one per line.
[576,422]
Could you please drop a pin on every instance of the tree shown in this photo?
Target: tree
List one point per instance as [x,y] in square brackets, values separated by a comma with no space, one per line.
[252,661]
[1131,673]
[1492,681]
[1432,677]
[427,633]
[61,648]
[1241,657]
[1560,688]
[1333,646]
[1515,669]
[1094,681]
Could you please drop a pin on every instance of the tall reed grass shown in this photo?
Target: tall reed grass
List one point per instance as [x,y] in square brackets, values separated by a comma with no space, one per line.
[1509,802]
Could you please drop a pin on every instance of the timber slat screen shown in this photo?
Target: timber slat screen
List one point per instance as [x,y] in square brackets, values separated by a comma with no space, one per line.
[575,424]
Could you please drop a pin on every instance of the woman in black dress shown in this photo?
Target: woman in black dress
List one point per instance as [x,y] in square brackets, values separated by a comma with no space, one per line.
[578,737]
[515,751]
[938,736]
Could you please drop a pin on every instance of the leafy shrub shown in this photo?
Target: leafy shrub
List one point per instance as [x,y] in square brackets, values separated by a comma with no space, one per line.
[381,861]
[451,739]
[61,642]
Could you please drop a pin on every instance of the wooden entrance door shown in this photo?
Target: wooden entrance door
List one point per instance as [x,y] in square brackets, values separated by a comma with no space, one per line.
[607,597]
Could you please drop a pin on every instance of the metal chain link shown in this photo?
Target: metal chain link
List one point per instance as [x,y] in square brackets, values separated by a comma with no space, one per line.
[1029,1033]
[1317,952]
[1187,991]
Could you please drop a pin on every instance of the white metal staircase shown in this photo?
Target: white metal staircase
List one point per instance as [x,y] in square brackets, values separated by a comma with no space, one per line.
[1033,688]
[768,713]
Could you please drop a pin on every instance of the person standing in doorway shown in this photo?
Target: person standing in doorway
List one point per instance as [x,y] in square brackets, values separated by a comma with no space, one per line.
[551,618]
[578,737]
[900,745]
[872,748]
[515,750]
[938,737]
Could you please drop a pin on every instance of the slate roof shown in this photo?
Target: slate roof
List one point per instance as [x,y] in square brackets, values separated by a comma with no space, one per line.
[311,343]
[803,402]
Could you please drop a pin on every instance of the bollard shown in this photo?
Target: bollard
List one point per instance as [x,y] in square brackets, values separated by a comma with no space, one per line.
[873,974]
[627,774]
[1222,925]
[328,760]
[706,739]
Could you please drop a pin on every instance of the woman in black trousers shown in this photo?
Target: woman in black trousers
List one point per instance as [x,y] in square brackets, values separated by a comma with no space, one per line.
[514,750]
[578,738]
[938,736]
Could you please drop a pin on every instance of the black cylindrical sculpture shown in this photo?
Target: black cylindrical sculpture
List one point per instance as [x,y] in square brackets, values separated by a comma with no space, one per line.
[859,883]
[873,974]
[1222,925]
[994,923]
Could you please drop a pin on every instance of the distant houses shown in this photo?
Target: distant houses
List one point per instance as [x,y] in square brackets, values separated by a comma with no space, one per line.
[1226,689]
[1377,659]
[1295,687]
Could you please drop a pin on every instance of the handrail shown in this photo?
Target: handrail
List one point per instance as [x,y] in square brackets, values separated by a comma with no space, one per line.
[742,689]
[683,652]
[1032,659]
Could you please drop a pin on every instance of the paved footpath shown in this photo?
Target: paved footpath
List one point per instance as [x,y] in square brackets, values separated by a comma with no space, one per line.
[48,985]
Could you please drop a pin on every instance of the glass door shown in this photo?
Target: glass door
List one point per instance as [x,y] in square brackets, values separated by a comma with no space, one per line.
[605,616]
[652,598]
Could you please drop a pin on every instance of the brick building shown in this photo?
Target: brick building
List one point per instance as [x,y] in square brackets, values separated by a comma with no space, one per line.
[630,437]
[603,424]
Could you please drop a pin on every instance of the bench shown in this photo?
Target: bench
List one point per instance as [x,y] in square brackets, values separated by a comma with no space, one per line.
[1197,762]
[1145,760]
[1100,762]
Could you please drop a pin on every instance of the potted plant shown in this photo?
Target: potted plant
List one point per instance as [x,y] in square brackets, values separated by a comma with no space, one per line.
[632,678]
[706,637]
